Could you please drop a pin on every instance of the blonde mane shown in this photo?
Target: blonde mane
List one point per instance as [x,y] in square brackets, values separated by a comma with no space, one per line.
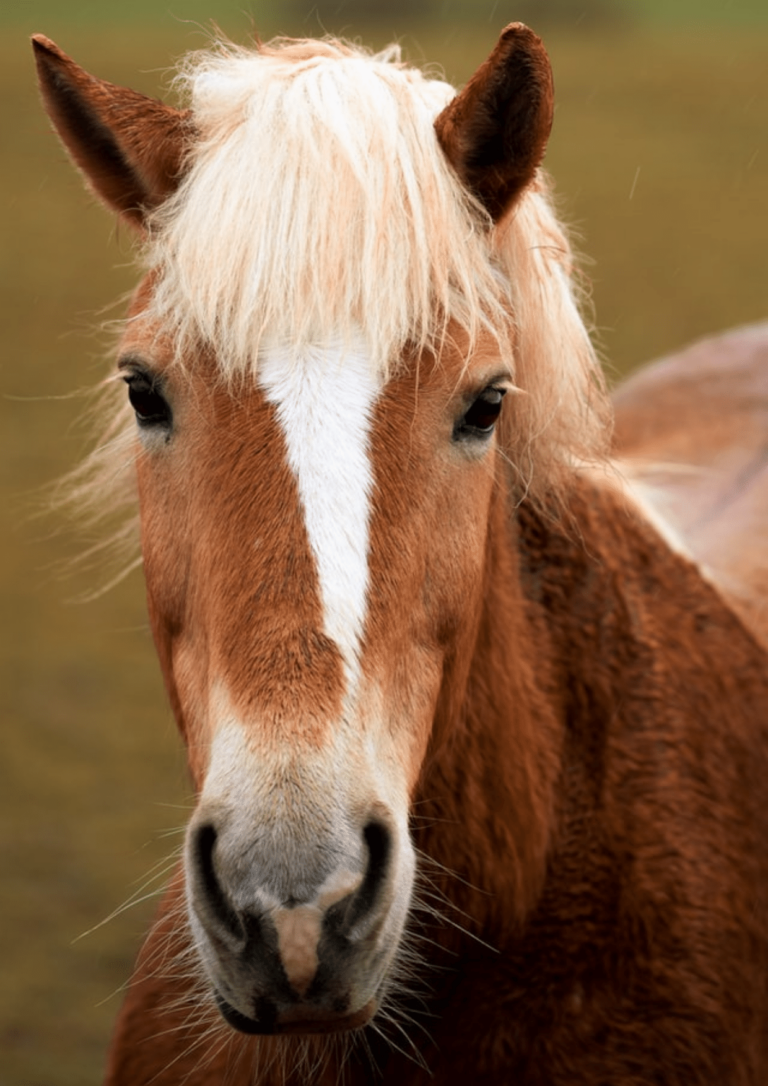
[318,206]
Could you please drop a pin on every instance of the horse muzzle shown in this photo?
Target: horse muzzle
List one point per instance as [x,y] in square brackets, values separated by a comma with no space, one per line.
[297,930]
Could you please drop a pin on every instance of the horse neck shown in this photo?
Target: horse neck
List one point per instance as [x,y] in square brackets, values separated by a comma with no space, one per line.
[485,812]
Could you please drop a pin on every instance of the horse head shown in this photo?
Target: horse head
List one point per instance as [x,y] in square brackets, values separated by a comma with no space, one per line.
[326,365]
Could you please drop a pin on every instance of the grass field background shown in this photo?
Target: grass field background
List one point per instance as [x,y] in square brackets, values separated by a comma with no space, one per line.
[661,160]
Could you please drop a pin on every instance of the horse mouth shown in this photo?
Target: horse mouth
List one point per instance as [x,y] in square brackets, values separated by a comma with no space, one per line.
[296,1020]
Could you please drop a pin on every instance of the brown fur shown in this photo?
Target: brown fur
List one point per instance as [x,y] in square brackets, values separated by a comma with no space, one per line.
[194,591]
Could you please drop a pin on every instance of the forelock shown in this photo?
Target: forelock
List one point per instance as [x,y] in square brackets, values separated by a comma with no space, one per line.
[318,204]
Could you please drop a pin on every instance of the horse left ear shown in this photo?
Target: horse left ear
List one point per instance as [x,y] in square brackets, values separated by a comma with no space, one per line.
[129,147]
[495,130]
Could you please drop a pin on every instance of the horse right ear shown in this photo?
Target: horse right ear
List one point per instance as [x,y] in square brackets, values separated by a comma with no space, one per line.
[129,147]
[494,132]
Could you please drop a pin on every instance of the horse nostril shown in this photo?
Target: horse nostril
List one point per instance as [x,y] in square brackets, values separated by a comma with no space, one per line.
[210,896]
[378,841]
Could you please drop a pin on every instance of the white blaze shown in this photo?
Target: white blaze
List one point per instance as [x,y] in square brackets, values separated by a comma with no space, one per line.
[324,398]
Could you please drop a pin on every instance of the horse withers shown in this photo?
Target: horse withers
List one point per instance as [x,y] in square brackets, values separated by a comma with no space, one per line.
[479,757]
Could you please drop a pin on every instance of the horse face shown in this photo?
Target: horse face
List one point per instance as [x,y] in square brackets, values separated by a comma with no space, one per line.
[313,547]
[314,535]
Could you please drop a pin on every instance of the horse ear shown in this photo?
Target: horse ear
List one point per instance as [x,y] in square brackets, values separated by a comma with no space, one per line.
[495,130]
[129,147]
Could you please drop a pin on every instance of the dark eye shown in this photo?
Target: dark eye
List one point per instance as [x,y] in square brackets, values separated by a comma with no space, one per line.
[482,416]
[147,401]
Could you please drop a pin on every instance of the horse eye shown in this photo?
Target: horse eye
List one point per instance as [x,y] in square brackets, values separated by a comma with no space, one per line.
[482,416]
[150,406]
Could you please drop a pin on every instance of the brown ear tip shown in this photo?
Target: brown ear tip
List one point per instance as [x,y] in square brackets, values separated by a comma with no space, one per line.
[42,44]
[520,33]
[47,51]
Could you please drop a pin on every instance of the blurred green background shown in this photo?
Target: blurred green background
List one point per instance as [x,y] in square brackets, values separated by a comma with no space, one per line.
[660,157]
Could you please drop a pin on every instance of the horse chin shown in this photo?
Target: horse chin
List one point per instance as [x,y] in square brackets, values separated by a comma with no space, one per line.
[294,1020]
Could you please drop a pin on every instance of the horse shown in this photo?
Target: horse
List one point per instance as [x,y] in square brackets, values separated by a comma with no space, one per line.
[478,743]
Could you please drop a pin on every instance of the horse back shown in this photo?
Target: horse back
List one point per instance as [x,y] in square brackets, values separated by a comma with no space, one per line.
[692,436]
